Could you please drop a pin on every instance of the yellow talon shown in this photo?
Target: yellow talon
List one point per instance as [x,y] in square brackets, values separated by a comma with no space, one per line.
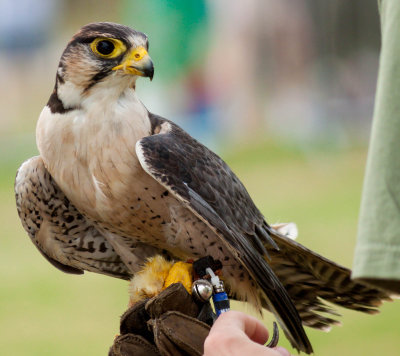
[180,272]
[156,275]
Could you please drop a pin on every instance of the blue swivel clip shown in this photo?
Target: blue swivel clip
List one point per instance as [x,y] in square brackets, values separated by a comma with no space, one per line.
[220,298]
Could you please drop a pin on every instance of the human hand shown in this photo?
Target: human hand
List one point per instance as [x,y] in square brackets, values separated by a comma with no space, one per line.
[235,333]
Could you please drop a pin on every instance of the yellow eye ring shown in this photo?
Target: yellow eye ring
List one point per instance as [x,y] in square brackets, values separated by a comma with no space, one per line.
[105,47]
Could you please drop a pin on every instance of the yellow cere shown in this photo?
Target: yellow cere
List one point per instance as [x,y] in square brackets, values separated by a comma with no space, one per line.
[180,272]
[119,47]
[138,53]
[129,64]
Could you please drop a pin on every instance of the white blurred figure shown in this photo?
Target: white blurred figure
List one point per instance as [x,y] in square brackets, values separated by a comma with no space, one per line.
[25,28]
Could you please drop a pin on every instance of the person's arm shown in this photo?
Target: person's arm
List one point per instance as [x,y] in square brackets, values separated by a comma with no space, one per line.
[235,333]
[377,256]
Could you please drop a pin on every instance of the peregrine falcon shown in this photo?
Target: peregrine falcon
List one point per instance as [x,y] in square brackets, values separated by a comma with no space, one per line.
[115,185]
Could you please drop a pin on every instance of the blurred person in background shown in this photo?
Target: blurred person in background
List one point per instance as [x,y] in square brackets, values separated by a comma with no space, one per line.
[25,29]
[25,25]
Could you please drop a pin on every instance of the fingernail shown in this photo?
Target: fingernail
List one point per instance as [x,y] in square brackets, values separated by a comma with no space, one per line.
[282,351]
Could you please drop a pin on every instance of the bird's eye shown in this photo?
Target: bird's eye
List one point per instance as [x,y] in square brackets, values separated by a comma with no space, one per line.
[107,47]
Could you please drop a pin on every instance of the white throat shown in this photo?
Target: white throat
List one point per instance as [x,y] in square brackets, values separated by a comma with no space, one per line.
[102,120]
[74,95]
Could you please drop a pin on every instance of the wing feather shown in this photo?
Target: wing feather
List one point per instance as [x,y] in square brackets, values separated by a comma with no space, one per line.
[207,187]
[62,235]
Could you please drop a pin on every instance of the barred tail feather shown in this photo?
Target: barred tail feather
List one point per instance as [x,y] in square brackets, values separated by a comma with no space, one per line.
[311,279]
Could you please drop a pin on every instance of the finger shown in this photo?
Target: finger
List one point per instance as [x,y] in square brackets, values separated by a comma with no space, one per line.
[252,327]
[282,351]
[255,330]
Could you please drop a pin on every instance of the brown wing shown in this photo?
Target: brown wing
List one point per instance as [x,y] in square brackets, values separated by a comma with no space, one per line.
[62,235]
[205,185]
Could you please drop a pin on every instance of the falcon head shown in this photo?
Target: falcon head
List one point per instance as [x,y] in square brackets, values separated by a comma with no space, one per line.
[102,56]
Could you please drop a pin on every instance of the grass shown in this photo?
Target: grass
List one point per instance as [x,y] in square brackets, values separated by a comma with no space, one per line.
[46,312]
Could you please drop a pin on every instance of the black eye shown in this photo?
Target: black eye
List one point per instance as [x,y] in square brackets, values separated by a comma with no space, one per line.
[105,47]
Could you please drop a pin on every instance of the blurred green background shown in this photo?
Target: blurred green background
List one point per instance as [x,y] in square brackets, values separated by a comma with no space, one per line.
[282,89]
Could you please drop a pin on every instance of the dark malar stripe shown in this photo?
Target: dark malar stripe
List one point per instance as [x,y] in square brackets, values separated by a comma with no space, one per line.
[55,104]
[97,78]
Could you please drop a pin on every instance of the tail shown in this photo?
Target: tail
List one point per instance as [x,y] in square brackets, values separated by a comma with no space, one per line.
[311,279]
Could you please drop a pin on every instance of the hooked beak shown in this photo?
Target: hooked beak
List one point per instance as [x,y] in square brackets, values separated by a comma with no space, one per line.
[138,62]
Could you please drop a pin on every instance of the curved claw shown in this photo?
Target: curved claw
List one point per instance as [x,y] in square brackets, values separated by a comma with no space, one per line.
[275,336]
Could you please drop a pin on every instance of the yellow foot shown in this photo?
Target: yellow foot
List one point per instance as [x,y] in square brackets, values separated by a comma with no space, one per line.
[156,275]
[180,272]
